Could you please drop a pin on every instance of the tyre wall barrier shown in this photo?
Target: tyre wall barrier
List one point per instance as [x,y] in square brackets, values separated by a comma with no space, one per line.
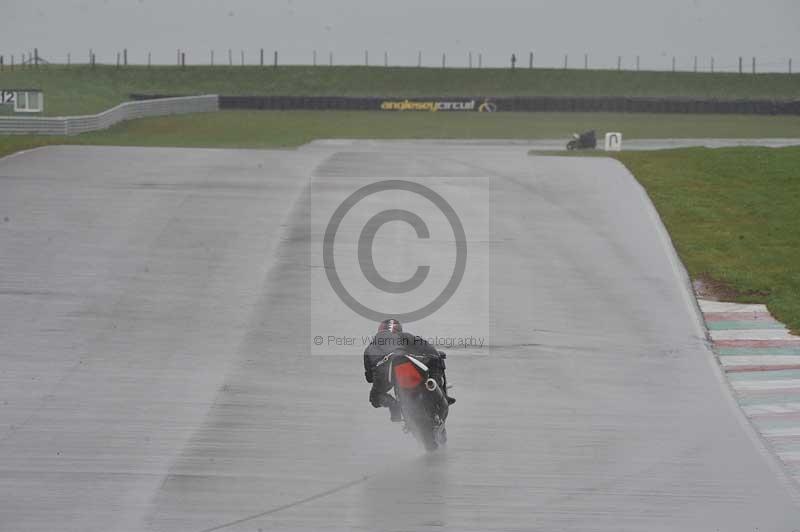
[74,125]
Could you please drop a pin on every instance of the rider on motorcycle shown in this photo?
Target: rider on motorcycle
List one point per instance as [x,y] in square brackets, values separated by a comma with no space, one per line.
[390,337]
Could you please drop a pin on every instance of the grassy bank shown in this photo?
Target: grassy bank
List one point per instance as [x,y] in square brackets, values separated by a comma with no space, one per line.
[269,129]
[734,216]
[80,89]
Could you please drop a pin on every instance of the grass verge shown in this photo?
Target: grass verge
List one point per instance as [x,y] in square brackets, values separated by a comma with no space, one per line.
[734,217]
[271,129]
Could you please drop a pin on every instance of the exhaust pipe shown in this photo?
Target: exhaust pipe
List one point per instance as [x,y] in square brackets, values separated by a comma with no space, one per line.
[431,385]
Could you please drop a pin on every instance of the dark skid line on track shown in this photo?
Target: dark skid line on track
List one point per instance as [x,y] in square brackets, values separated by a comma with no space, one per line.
[320,495]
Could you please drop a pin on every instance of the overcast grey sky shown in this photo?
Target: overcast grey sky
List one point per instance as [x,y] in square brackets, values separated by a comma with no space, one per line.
[655,30]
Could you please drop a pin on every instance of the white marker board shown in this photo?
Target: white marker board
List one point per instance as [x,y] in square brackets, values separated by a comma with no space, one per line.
[613,141]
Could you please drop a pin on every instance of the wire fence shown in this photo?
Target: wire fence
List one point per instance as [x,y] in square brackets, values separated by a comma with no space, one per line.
[530,60]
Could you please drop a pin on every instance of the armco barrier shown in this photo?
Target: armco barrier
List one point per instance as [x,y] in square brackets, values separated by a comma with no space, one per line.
[73,125]
[520,103]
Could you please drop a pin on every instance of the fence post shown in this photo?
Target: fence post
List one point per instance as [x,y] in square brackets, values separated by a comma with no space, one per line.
[566,61]
[444,61]
[530,60]
[740,64]
[754,65]
[212,58]
[470,59]
[330,58]
[125,57]
[241,52]
[586,61]
[183,59]
[230,57]
[637,63]
[673,63]
[2,63]
[275,59]
[695,64]
[619,63]
[178,57]
[385,59]
[790,65]
[92,60]
[12,61]
[36,57]
[69,59]
[149,59]
[262,57]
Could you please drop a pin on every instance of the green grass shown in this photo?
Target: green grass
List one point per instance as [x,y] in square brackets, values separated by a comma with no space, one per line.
[10,143]
[734,216]
[80,90]
[271,129]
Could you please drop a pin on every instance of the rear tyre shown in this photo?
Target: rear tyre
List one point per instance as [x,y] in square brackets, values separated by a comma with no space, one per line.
[426,434]
[429,440]
[441,437]
[435,438]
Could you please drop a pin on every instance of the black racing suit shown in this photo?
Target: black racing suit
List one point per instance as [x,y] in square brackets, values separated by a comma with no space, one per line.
[382,344]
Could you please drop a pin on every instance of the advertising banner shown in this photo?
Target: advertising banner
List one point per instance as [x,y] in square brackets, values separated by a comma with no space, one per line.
[440,105]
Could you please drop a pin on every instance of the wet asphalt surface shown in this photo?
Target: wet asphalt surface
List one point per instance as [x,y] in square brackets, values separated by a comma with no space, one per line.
[157,368]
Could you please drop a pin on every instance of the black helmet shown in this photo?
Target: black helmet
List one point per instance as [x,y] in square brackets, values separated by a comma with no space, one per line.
[391,325]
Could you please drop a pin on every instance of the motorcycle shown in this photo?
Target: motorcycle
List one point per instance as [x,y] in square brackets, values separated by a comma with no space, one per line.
[586,140]
[419,388]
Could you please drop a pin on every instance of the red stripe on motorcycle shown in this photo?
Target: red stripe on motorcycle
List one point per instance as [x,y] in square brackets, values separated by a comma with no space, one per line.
[407,375]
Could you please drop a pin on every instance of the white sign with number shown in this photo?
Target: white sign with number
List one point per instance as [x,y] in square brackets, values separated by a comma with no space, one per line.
[7,97]
[613,141]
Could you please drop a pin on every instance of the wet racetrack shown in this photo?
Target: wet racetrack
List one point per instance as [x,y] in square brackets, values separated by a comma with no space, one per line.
[157,370]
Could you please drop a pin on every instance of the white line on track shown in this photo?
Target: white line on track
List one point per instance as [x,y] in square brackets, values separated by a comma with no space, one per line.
[774,408]
[759,360]
[752,334]
[766,385]
[719,306]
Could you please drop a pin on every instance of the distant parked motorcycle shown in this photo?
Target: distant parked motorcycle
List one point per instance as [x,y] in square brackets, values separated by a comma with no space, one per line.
[419,388]
[584,141]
